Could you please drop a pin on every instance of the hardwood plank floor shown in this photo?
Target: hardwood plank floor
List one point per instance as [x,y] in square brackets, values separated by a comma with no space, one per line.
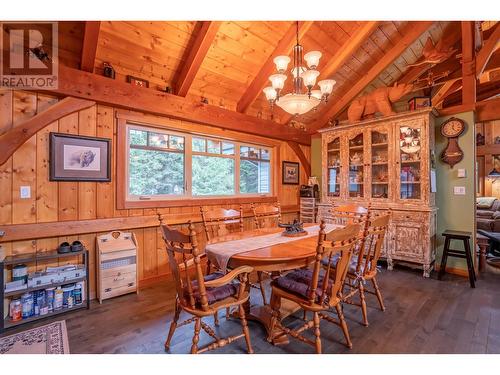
[422,316]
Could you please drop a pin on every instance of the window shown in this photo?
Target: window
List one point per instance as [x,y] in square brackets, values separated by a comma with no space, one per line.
[171,165]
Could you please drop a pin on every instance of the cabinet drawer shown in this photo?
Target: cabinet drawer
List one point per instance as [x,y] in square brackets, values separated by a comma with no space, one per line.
[118,271]
[118,291]
[404,216]
[118,281]
[118,254]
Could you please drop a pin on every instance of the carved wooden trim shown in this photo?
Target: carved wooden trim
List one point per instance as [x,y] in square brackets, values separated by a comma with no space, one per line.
[15,138]
[300,154]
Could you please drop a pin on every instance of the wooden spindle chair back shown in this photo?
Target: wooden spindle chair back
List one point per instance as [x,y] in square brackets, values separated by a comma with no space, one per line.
[266,215]
[349,214]
[219,222]
[186,247]
[372,245]
[337,241]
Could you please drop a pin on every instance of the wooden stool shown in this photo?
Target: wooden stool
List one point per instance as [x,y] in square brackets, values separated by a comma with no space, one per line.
[467,254]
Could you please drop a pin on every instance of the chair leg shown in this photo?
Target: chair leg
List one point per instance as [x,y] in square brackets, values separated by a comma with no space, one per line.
[261,285]
[173,325]
[363,303]
[216,318]
[317,332]
[378,293]
[304,315]
[196,337]
[275,317]
[228,313]
[246,332]
[343,325]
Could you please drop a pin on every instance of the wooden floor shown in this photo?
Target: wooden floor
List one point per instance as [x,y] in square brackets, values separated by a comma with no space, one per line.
[422,316]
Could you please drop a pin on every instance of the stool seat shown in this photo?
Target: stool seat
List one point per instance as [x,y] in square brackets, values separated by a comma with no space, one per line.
[464,254]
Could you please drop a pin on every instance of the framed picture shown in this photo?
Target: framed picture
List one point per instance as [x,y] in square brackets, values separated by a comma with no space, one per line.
[291,173]
[137,81]
[419,102]
[79,158]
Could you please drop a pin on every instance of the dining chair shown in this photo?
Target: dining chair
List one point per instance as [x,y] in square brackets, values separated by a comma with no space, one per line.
[219,222]
[364,267]
[203,295]
[265,216]
[317,290]
[349,214]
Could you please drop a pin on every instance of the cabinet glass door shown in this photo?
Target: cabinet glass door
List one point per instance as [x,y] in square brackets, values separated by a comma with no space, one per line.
[333,165]
[410,141]
[379,164]
[356,170]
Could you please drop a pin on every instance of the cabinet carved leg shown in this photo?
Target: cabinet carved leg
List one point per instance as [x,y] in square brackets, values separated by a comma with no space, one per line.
[390,264]
[427,270]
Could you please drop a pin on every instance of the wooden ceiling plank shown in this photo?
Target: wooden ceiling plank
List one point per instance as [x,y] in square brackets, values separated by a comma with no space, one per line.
[259,82]
[195,57]
[85,85]
[484,55]
[412,33]
[89,49]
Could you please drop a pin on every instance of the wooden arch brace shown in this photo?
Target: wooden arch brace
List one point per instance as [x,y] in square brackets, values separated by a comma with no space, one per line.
[300,154]
[15,138]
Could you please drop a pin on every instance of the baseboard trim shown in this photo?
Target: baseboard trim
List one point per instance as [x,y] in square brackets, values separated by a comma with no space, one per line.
[453,270]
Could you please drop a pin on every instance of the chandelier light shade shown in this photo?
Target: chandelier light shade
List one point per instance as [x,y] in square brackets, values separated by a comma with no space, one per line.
[278,81]
[298,102]
[312,59]
[270,93]
[281,63]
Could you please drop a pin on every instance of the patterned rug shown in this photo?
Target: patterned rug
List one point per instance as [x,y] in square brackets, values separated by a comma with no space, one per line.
[49,339]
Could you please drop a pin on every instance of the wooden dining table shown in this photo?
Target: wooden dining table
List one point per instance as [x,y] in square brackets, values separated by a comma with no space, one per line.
[297,253]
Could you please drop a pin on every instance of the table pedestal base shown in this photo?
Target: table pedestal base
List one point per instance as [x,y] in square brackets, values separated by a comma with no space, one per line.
[263,315]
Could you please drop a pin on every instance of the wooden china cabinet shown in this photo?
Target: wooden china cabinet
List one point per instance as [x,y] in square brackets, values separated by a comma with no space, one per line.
[386,162]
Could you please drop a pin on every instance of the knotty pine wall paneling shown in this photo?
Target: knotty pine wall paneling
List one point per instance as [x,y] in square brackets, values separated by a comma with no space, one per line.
[67,201]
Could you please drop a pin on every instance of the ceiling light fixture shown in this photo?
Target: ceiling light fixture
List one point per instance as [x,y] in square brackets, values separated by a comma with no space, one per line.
[297,102]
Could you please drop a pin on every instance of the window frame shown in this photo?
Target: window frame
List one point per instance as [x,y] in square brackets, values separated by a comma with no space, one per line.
[126,200]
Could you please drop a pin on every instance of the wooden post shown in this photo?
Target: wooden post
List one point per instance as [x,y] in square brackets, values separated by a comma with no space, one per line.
[468,63]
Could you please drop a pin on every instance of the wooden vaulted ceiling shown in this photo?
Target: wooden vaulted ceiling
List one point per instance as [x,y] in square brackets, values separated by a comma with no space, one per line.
[228,62]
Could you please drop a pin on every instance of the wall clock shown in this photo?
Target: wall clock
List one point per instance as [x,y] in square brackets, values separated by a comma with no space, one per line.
[452,129]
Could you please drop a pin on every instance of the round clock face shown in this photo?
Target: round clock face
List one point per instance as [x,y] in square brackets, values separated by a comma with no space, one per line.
[452,128]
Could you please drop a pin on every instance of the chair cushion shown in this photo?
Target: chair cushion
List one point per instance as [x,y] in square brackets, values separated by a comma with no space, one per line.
[485,202]
[352,264]
[214,294]
[298,282]
[485,213]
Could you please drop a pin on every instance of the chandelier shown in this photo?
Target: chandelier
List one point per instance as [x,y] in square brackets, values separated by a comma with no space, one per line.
[296,102]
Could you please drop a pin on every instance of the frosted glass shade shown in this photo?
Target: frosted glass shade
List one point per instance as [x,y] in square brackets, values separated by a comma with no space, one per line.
[278,81]
[317,94]
[270,93]
[297,104]
[326,86]
[299,69]
[312,59]
[281,63]
[309,77]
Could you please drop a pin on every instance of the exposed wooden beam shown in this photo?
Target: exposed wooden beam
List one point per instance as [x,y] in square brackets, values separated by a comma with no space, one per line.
[411,33]
[446,89]
[468,71]
[491,149]
[15,137]
[260,81]
[89,48]
[451,36]
[488,110]
[483,91]
[486,52]
[300,154]
[73,82]
[196,53]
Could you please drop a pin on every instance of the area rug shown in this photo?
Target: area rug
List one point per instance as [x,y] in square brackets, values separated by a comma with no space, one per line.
[48,339]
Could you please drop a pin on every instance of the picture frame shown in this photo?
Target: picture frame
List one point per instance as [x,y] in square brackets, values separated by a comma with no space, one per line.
[79,158]
[290,173]
[419,102]
[136,81]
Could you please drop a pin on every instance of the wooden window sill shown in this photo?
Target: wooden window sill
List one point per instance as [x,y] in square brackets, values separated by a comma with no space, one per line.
[194,202]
